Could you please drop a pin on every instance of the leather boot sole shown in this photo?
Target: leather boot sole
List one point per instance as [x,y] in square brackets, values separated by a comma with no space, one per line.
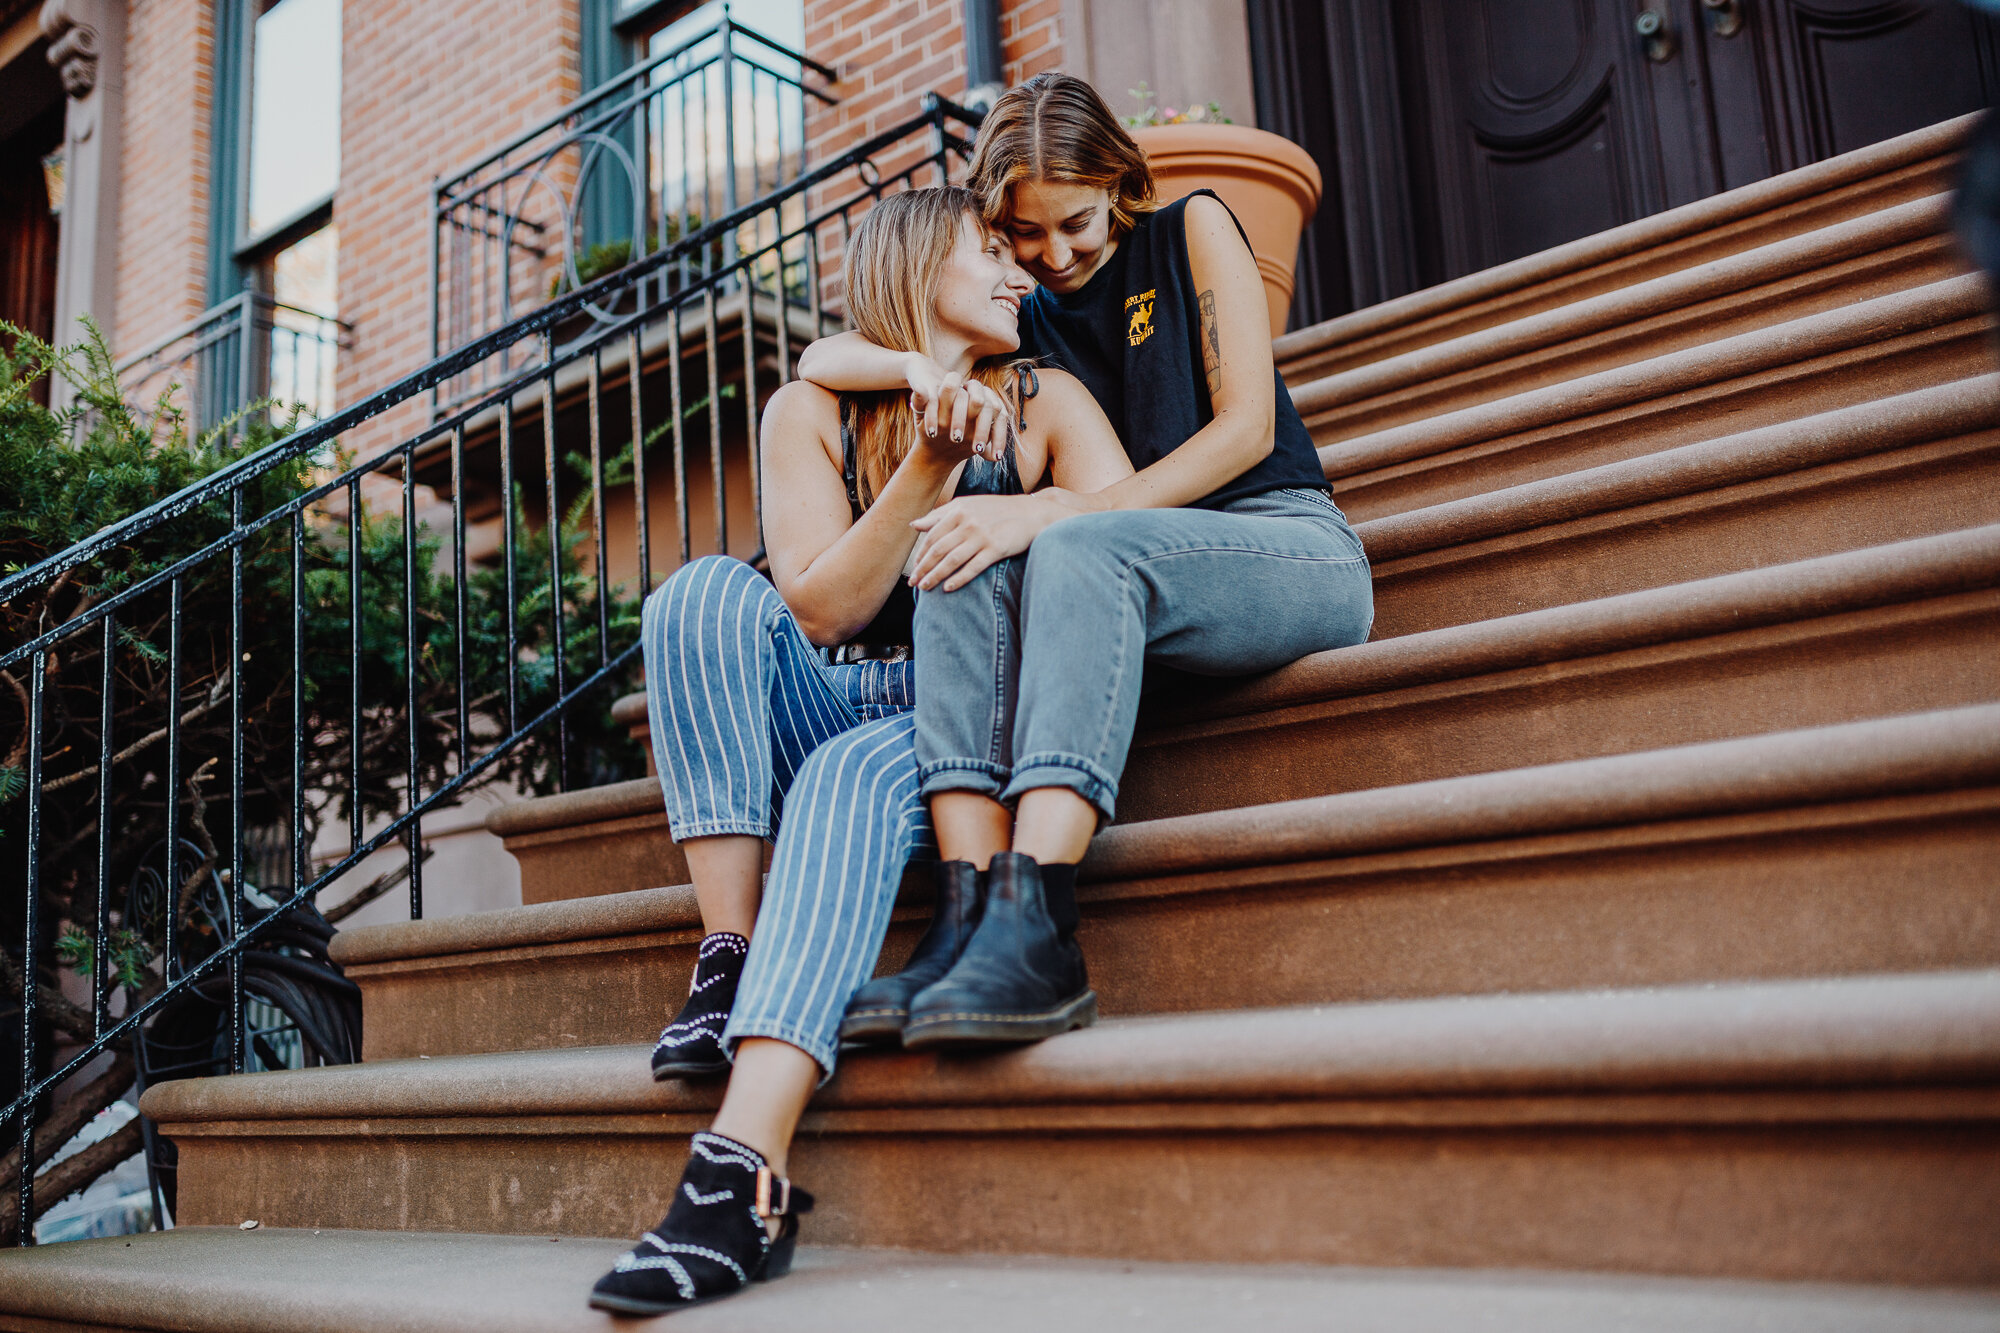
[950,1030]
[874,1027]
[667,1069]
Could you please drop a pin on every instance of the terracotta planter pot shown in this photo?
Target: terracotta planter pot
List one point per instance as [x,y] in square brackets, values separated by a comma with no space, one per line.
[1269,182]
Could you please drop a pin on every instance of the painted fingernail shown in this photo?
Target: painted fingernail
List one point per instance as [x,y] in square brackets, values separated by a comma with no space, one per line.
[957,438]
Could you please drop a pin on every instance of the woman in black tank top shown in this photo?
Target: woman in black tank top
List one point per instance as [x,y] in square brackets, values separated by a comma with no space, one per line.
[1222,555]
[746,693]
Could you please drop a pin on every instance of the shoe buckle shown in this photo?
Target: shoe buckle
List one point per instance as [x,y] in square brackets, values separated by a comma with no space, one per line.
[765,1178]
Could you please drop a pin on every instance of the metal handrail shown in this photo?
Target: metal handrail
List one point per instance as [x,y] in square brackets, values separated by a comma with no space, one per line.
[821,204]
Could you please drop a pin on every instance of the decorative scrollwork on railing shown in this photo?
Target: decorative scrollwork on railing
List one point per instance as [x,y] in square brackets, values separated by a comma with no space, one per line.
[621,174]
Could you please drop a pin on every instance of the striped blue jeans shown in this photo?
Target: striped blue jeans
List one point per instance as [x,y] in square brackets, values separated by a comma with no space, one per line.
[748,721]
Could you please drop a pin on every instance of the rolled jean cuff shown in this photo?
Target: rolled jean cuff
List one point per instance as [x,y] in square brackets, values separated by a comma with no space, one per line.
[1052,768]
[823,1050]
[718,828]
[974,775]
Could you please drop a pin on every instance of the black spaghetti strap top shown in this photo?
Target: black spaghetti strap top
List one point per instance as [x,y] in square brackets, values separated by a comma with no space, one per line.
[893,625]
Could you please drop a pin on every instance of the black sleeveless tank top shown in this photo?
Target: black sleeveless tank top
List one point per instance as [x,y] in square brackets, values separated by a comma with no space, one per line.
[893,624]
[1132,334]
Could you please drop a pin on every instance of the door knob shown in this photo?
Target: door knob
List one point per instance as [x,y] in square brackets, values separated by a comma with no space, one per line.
[1655,37]
[1725,17]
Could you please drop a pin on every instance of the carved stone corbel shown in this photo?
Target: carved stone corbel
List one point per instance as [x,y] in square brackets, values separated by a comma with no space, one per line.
[73,46]
[87,48]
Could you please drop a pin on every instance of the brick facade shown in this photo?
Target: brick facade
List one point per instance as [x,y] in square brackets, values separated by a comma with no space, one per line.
[162,274]
[427,86]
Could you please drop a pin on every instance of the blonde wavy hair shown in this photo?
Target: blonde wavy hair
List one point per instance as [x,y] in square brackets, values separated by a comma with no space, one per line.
[895,262]
[1055,127]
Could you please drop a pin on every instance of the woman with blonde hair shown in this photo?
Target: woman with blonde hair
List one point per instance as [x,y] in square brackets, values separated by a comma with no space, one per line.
[1223,554]
[747,714]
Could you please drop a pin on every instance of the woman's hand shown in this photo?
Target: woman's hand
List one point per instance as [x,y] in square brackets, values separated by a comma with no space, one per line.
[968,534]
[963,410]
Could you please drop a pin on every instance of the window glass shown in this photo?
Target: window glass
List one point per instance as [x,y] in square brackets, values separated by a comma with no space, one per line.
[783,21]
[294,109]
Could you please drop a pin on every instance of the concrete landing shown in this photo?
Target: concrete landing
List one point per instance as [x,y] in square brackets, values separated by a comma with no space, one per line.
[222,1280]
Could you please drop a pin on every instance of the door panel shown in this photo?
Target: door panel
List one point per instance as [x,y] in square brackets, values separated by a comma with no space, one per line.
[1865,70]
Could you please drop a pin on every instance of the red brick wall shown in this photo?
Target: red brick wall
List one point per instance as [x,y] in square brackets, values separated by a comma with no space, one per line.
[162,275]
[889,54]
[426,86]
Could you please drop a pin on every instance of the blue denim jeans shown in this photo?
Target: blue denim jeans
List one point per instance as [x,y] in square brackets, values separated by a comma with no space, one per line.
[747,722]
[1029,675]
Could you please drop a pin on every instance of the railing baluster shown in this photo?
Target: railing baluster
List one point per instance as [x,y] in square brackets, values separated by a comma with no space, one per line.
[641,501]
[709,312]
[100,949]
[31,939]
[561,646]
[356,738]
[458,582]
[415,832]
[750,403]
[603,535]
[301,853]
[676,414]
[507,559]
[236,899]
[170,947]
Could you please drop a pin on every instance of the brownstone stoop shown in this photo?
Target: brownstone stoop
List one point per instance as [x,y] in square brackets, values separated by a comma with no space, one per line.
[1613,941]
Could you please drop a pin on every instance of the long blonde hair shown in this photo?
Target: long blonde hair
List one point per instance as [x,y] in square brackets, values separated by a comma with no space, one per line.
[895,262]
[1055,127]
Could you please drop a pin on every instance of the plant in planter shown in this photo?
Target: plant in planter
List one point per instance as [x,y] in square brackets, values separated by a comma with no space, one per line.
[1269,182]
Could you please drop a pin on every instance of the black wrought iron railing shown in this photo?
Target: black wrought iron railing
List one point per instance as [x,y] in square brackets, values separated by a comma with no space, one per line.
[246,349]
[360,642]
[624,172]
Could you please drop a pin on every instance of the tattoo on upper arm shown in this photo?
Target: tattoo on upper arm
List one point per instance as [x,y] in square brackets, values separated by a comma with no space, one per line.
[1211,346]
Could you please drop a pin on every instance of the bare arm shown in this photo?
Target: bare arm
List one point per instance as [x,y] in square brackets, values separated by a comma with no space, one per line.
[833,571]
[1236,358]
[1083,455]
[849,363]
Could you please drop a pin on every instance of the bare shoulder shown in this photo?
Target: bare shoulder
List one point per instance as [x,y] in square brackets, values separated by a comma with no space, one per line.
[801,415]
[801,402]
[1058,390]
[1208,215]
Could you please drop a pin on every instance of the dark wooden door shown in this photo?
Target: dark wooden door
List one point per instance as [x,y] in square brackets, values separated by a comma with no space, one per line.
[1464,133]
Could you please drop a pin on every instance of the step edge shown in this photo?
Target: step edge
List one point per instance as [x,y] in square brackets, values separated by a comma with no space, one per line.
[1818,178]
[1890,1030]
[1741,273]
[1919,569]
[1917,310]
[1945,411]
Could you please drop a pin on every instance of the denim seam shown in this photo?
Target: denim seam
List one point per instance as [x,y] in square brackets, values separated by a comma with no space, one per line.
[717,828]
[1100,789]
[999,660]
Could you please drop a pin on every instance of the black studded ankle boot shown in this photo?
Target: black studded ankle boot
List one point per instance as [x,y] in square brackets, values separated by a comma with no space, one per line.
[691,1046]
[877,1011]
[715,1239]
[1021,977]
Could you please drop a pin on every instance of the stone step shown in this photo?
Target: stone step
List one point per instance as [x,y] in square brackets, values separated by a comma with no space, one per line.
[1853,185]
[1859,848]
[1901,628]
[1833,1130]
[1873,349]
[1891,470]
[1898,628]
[1897,249]
[277,1280]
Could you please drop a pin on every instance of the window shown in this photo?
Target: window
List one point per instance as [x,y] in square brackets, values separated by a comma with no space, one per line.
[278,164]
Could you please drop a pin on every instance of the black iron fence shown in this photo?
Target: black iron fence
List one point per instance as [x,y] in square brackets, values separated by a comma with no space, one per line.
[466,592]
[625,172]
[248,348]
